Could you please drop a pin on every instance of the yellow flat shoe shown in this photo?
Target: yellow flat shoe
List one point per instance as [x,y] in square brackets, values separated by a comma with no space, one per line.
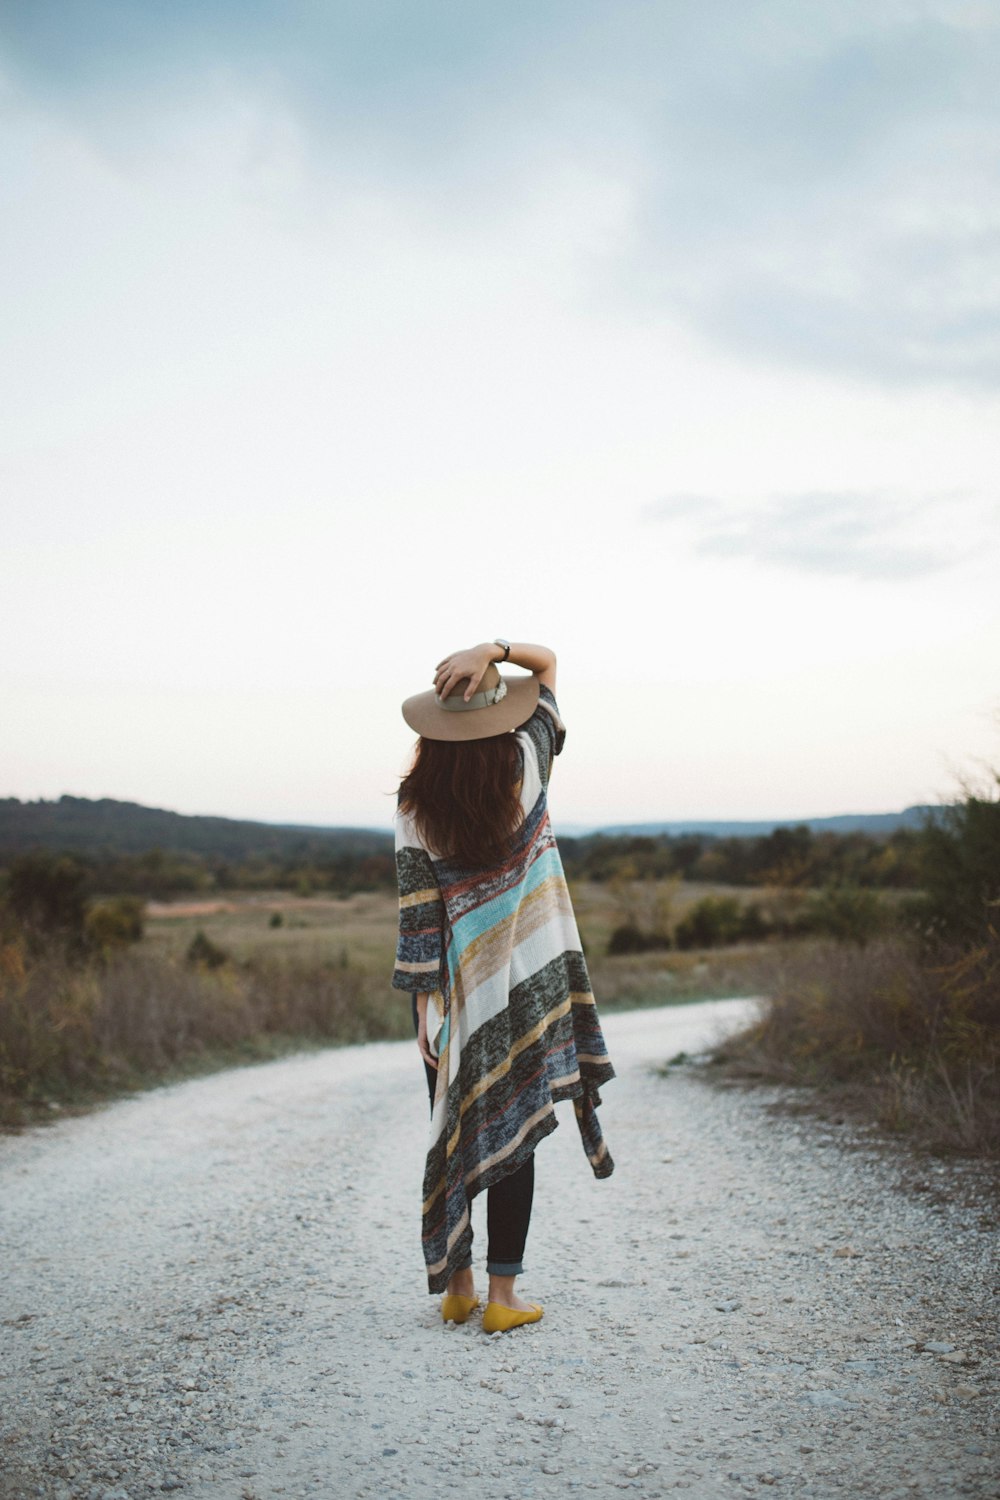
[498,1319]
[457,1309]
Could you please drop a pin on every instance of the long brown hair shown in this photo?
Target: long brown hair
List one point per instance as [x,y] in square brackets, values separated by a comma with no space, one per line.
[464,797]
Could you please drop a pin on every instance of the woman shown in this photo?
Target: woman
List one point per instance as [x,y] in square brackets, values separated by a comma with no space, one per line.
[488,946]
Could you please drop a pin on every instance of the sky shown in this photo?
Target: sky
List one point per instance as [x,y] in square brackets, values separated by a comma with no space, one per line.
[338,336]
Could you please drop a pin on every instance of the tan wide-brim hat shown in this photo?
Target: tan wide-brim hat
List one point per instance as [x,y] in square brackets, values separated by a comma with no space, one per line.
[498,705]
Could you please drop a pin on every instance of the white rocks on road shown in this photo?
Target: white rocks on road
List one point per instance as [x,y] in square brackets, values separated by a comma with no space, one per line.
[216,1289]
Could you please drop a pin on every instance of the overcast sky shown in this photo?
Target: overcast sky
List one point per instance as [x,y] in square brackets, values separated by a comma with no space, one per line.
[340,335]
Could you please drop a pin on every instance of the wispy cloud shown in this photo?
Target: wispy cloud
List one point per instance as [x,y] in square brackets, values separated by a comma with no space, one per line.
[868,535]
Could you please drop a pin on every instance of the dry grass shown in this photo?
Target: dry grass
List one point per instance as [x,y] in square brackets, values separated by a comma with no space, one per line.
[361,931]
[658,978]
[71,1033]
[913,1045]
[910,1043]
[318,929]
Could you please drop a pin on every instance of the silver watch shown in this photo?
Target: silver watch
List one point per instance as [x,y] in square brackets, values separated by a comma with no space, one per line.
[506,646]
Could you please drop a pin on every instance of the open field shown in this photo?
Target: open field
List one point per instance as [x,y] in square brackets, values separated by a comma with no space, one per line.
[360,932]
[72,1033]
[277,973]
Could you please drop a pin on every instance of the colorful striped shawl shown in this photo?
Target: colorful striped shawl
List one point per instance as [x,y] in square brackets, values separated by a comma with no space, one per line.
[511,1016]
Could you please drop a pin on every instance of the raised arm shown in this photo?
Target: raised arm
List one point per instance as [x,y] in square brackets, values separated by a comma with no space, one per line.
[473,661]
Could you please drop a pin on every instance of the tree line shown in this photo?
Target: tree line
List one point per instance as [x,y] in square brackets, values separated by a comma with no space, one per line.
[788,857]
[950,870]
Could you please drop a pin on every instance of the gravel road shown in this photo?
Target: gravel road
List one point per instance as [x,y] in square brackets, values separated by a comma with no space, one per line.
[216,1288]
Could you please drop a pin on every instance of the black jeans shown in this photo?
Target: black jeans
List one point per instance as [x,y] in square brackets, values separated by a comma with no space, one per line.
[508,1204]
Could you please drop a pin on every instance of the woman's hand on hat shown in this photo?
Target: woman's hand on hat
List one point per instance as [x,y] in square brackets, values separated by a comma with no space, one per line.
[471,663]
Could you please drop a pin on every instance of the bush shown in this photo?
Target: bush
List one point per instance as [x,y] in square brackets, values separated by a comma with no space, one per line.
[843,912]
[920,1042]
[711,922]
[961,870]
[628,938]
[205,954]
[114,924]
[46,894]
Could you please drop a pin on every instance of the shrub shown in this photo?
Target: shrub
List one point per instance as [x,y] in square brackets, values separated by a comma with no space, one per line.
[961,870]
[629,938]
[203,953]
[919,1043]
[114,924]
[46,893]
[844,912]
[712,921]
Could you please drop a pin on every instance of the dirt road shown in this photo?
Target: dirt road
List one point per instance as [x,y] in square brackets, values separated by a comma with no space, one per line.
[216,1289]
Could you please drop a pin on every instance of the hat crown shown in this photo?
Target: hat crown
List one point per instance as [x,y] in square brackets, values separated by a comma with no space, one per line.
[498,705]
[489,683]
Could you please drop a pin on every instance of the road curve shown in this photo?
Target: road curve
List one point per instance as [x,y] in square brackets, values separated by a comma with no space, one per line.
[216,1289]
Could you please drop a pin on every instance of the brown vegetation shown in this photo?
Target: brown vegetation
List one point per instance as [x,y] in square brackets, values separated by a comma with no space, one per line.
[912,1044]
[72,1032]
[892,1001]
[209,985]
[905,1027]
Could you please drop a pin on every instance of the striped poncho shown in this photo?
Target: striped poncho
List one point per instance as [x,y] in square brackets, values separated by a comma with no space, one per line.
[511,1016]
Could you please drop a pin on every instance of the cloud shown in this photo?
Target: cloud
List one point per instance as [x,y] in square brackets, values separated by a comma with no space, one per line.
[868,535]
[415,75]
[828,203]
[810,186]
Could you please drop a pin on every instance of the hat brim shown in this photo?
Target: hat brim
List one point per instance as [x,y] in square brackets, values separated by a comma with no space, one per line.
[425,715]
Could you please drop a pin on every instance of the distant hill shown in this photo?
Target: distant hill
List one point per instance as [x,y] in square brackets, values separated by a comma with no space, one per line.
[105,828]
[878,825]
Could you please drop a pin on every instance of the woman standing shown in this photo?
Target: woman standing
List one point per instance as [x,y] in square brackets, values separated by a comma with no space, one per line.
[488,946]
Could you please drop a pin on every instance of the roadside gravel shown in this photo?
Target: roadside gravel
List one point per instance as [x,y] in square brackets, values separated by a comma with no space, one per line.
[216,1289]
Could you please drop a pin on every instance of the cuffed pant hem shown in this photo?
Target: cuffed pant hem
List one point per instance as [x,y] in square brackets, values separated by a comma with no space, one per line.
[504,1267]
